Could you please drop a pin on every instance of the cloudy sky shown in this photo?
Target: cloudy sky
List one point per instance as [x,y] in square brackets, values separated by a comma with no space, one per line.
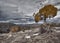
[22,8]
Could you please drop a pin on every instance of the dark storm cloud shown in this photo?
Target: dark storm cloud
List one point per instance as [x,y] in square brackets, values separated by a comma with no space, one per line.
[19,8]
[2,14]
[14,7]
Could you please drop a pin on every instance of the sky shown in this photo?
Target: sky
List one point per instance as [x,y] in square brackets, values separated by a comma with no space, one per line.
[22,8]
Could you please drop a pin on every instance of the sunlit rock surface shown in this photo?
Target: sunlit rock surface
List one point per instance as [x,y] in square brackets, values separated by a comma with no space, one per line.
[32,34]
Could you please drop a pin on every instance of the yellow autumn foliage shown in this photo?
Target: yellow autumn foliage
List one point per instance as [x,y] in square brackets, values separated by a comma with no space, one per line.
[37,17]
[15,28]
[47,10]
